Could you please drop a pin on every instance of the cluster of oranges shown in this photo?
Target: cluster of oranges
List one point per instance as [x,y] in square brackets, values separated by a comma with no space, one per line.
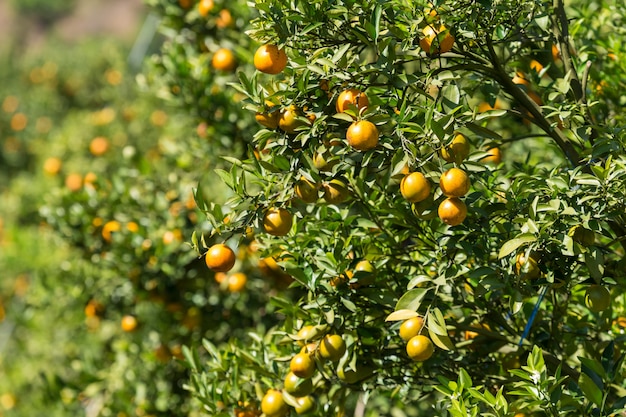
[418,346]
[454,183]
[298,384]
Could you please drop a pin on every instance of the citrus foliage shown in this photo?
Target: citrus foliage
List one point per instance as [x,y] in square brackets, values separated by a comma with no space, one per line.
[496,259]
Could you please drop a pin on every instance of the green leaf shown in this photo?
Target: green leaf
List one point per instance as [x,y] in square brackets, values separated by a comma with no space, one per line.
[436,322]
[515,243]
[401,315]
[412,299]
[595,263]
[442,341]
[590,389]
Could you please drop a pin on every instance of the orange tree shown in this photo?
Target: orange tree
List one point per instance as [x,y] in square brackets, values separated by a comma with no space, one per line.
[96,196]
[445,180]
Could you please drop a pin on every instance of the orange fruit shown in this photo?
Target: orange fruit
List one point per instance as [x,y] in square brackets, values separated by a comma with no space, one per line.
[185,4]
[306,190]
[277,221]
[420,348]
[556,54]
[457,150]
[52,166]
[288,120]
[520,79]
[268,119]
[454,182]
[321,161]
[223,60]
[237,282]
[129,323]
[220,258]
[351,97]
[224,19]
[109,228]
[414,187]
[484,106]
[411,328]
[332,347]
[452,211]
[436,41]
[527,267]
[302,365]
[335,191]
[305,405]
[99,146]
[270,59]
[494,156]
[296,386]
[535,66]
[273,404]
[90,179]
[94,308]
[220,277]
[362,135]
[19,121]
[597,298]
[205,6]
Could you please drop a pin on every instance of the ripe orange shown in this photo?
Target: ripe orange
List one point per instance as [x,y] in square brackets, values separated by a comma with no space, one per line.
[520,79]
[527,267]
[454,182]
[332,347]
[296,386]
[597,298]
[129,323]
[90,180]
[302,365]
[52,166]
[288,119]
[270,60]
[535,66]
[436,41]
[224,19]
[420,348]
[220,277]
[223,60]
[19,121]
[305,405]
[99,146]
[273,404]
[205,6]
[335,191]
[321,163]
[411,328]
[220,258]
[351,376]
[94,308]
[185,4]
[109,228]
[452,211]
[74,182]
[415,187]
[277,221]
[362,135]
[351,97]
[494,156]
[268,119]
[237,282]
[457,150]
[306,190]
